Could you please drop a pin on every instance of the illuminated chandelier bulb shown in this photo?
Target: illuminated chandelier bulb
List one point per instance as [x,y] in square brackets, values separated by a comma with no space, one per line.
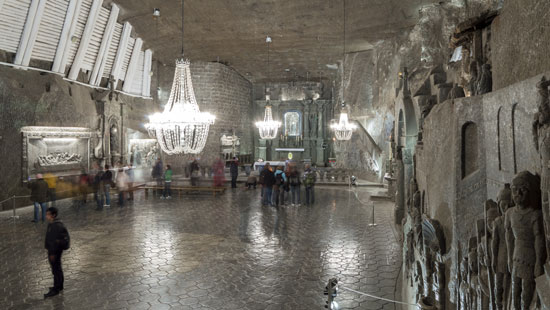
[268,128]
[343,130]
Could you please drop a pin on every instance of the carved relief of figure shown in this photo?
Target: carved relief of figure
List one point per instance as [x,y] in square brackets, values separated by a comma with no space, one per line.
[485,81]
[499,250]
[525,238]
[484,255]
[541,137]
[473,278]
[464,301]
[474,76]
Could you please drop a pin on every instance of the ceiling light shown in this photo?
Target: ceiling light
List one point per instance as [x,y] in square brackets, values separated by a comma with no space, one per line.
[268,128]
[156,12]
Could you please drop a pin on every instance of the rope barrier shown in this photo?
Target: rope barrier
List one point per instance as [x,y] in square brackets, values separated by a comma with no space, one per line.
[378,297]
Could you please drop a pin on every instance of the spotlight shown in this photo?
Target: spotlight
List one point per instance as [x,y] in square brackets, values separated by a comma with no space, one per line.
[353,180]
[331,290]
[156,12]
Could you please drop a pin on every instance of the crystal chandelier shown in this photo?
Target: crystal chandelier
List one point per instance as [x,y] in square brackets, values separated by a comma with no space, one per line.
[181,128]
[343,130]
[268,128]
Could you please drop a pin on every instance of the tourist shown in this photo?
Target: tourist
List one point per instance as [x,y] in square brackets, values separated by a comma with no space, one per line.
[278,188]
[219,173]
[234,171]
[247,169]
[107,179]
[130,174]
[57,240]
[98,187]
[52,188]
[194,169]
[251,181]
[294,181]
[83,182]
[157,174]
[309,183]
[268,180]
[39,196]
[121,185]
[167,194]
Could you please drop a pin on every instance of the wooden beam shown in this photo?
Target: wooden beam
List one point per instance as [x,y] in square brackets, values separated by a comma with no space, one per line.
[99,66]
[119,58]
[146,87]
[66,33]
[34,32]
[24,41]
[85,40]
[132,66]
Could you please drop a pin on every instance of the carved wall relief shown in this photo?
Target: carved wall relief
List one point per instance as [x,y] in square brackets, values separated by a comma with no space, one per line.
[470,149]
[58,150]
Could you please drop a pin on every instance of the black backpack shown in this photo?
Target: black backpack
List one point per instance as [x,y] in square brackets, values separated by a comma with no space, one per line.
[279,179]
[65,241]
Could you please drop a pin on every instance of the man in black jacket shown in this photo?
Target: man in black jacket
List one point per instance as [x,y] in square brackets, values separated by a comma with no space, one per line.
[39,196]
[57,240]
[268,180]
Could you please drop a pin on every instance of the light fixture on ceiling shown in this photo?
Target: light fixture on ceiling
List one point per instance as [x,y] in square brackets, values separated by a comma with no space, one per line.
[181,128]
[156,12]
[268,127]
[343,129]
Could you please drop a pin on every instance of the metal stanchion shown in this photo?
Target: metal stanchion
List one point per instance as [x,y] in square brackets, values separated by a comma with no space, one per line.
[14,216]
[373,223]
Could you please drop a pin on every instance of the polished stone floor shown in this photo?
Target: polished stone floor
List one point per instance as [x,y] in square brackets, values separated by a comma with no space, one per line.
[204,252]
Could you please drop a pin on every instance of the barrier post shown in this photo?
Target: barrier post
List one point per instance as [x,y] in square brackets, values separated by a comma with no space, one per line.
[14,216]
[373,223]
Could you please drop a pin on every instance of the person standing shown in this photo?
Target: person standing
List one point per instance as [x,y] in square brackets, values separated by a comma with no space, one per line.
[167,194]
[309,182]
[234,170]
[98,187]
[294,181]
[194,169]
[83,186]
[107,179]
[121,185]
[157,174]
[57,240]
[219,174]
[39,196]
[278,188]
[130,174]
[268,178]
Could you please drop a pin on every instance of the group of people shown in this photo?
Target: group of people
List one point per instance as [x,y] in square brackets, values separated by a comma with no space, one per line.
[278,184]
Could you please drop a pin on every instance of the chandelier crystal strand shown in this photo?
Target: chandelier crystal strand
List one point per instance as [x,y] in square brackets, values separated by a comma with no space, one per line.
[268,128]
[343,130]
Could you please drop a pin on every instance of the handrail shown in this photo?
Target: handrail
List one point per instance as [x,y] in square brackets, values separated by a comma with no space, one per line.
[368,135]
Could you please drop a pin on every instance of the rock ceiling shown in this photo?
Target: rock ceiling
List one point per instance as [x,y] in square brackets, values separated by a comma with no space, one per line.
[307,34]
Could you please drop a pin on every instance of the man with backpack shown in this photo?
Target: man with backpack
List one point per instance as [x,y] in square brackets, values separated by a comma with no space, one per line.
[278,188]
[267,179]
[294,181]
[57,241]
[309,182]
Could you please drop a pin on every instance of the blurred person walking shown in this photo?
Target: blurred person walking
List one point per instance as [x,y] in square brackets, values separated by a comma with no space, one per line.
[157,174]
[219,173]
[83,183]
[98,187]
[52,188]
[121,185]
[194,170]
[167,194]
[57,240]
[130,174]
[107,179]
[39,196]
[234,171]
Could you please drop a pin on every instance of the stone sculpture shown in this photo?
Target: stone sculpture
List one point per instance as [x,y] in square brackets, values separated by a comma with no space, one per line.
[499,250]
[465,294]
[485,80]
[525,238]
[59,158]
[484,255]
[541,136]
[473,277]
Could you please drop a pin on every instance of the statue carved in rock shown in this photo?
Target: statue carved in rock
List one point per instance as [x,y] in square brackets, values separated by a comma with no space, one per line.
[525,238]
[465,295]
[485,80]
[473,277]
[474,76]
[484,255]
[541,136]
[499,251]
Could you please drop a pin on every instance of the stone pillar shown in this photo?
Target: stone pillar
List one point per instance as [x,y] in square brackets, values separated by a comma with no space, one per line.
[320,137]
[307,142]
[262,149]
[400,198]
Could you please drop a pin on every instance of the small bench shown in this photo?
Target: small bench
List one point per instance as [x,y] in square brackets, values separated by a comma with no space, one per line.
[184,189]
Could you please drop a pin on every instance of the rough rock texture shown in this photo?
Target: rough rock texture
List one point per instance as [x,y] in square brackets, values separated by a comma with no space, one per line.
[29,98]
[223,92]
[522,35]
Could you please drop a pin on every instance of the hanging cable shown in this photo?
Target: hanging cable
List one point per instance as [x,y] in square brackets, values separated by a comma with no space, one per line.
[344,59]
[182,31]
